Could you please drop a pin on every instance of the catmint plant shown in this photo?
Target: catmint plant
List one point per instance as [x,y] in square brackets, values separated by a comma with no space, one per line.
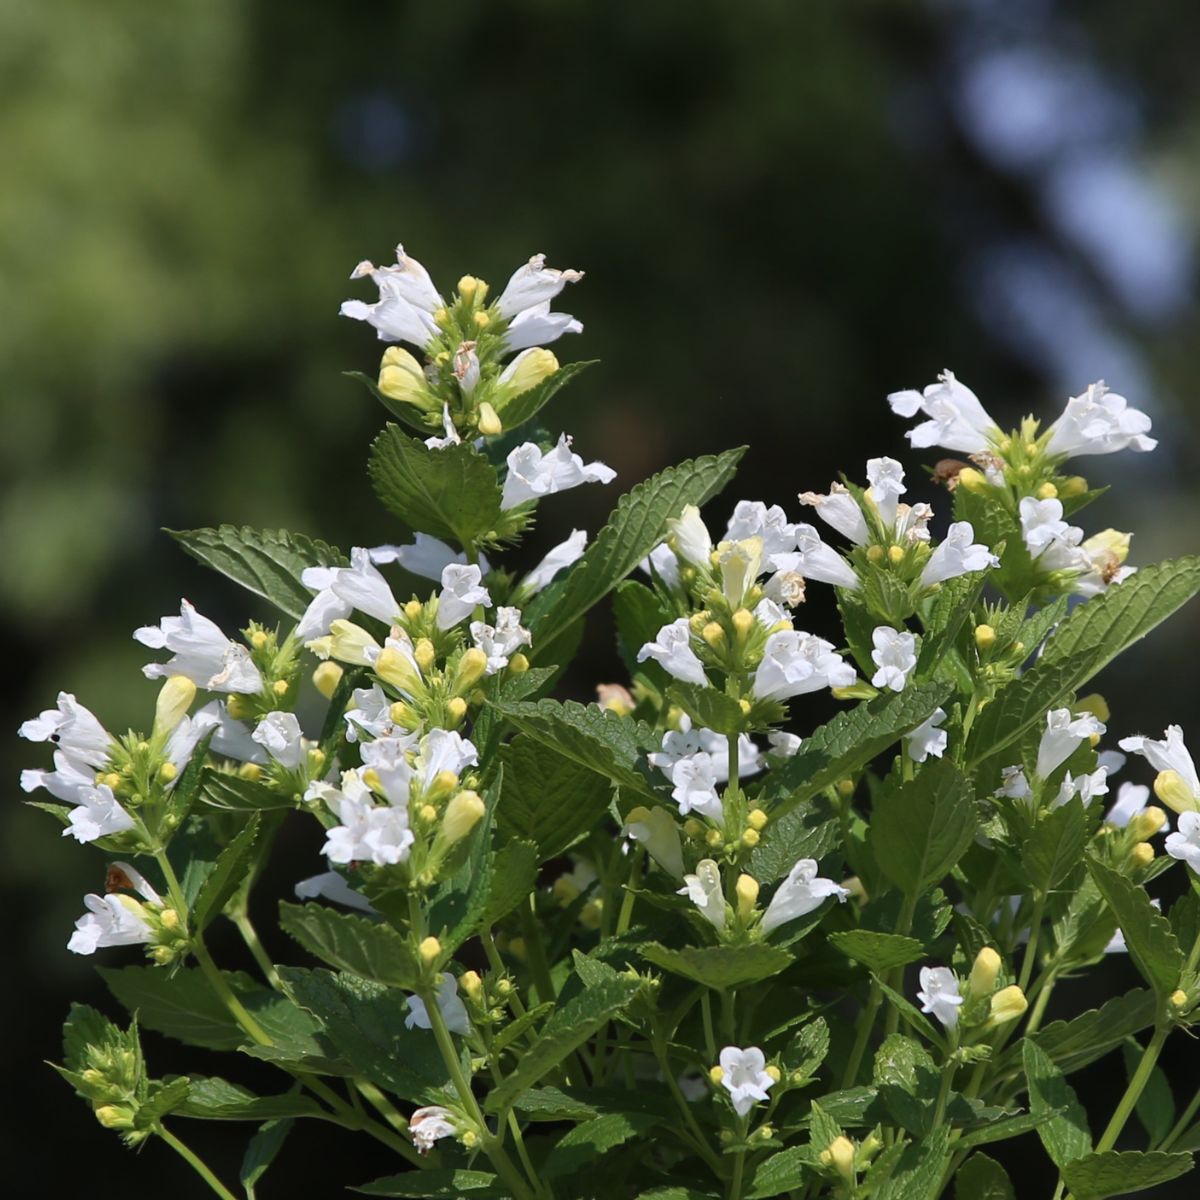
[683,942]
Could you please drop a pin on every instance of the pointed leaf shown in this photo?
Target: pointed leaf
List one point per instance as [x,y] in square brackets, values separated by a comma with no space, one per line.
[720,967]
[982,1178]
[225,878]
[1116,1173]
[527,404]
[352,943]
[1065,1136]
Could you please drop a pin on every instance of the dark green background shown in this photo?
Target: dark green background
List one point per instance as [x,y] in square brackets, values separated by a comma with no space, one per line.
[785,210]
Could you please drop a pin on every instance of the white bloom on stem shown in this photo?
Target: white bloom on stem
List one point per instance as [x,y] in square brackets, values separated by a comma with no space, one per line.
[1176,784]
[533,474]
[1184,844]
[278,733]
[563,555]
[201,652]
[1131,799]
[785,587]
[769,614]
[815,560]
[502,640]
[672,650]
[407,301]
[783,743]
[425,556]
[114,919]
[466,367]
[533,283]
[957,420]
[886,477]
[451,435]
[428,1125]
[752,518]
[744,1077]
[695,786]
[658,831]
[957,555]
[1042,523]
[537,325]
[98,814]
[799,894]
[73,730]
[1087,787]
[895,655]
[690,538]
[329,885]
[231,738]
[370,712]
[440,750]
[65,782]
[664,563]
[359,586]
[795,662]
[739,564]
[680,743]
[839,510]
[940,995]
[369,832]
[1065,733]
[1102,558]
[1099,422]
[928,738]
[912,523]
[461,592]
[1013,784]
[453,1011]
[704,890]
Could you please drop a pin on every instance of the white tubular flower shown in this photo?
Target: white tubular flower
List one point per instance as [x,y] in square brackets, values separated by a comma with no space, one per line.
[1131,799]
[912,523]
[783,743]
[451,438]
[563,555]
[800,893]
[278,733]
[957,420]
[744,1077]
[769,614]
[662,561]
[98,814]
[1184,844]
[895,655]
[532,474]
[1099,422]
[673,652]
[231,738]
[329,885]
[939,994]
[839,510]
[1065,733]
[362,586]
[794,663]
[957,555]
[739,564]
[65,782]
[114,920]
[1013,784]
[428,1125]
[1104,555]
[73,729]
[453,1011]
[786,587]
[407,301]
[531,284]
[1042,524]
[1086,787]
[440,750]
[501,641]
[656,829]
[425,556]
[695,790]
[815,560]
[685,741]
[752,518]
[704,890]
[325,607]
[526,371]
[370,713]
[1176,785]
[466,367]
[368,832]
[928,738]
[201,652]
[537,326]
[461,592]
[886,477]
[690,537]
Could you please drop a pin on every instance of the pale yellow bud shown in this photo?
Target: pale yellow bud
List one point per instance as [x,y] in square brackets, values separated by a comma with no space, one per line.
[591,913]
[111,780]
[251,771]
[713,634]
[326,678]
[875,554]
[280,687]
[743,623]
[350,642]
[401,378]
[716,1074]
[401,713]
[1178,998]
[472,290]
[774,1072]
[463,813]
[714,837]
[845,787]
[972,480]
[489,423]
[442,785]
[747,896]
[1095,704]
[1075,486]
[471,668]
[441,315]
[425,654]
[841,1157]
[428,814]
[238,708]
[895,555]
[470,1139]
[482,320]
[527,370]
[1047,492]
[1147,823]
[259,638]
[429,950]
[1007,1005]
[854,886]
[518,664]
[471,984]
[745,706]
[413,609]
[757,819]
[167,772]
[169,918]
[1175,792]
[984,972]
[1142,854]
[456,709]
[371,778]
[693,828]
[985,637]
[751,837]
[316,758]
[114,1116]
[174,699]
[1110,545]
[397,668]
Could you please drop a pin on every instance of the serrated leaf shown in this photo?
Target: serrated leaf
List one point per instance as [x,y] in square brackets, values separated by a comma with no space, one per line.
[225,878]
[580,1147]
[352,943]
[215,1099]
[1055,846]
[453,493]
[261,1152]
[878,952]
[163,1099]
[438,1184]
[1003,1129]
[951,608]
[84,1027]
[708,708]
[918,1174]
[982,1178]
[1117,1173]
[235,794]
[720,967]
[519,1026]
[808,1048]
[267,562]
[1066,1136]
[527,404]
[782,1172]
[810,831]
[514,876]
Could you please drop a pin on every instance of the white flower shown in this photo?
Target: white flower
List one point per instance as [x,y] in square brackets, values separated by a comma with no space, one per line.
[329,885]
[427,1125]
[928,738]
[1102,558]
[662,561]
[839,510]
[73,729]
[912,523]
[533,474]
[451,437]
[1131,799]
[1099,422]
[407,300]
[695,790]
[537,325]
[461,592]
[1170,754]
[1184,844]
[201,652]
[739,564]
[231,738]
[278,733]
[453,1011]
[184,739]
[673,652]
[783,743]
[800,893]
[1086,787]
[562,556]
[886,477]
[744,1077]
[794,663]
[1042,523]
[466,367]
[957,419]
[895,655]
[685,741]
[531,284]
[371,713]
[939,994]
[341,590]
[65,782]
[114,920]
[690,538]
[425,556]
[440,750]
[1013,784]
[98,814]
[656,829]
[1064,734]
[501,641]
[769,614]
[704,890]
[957,555]
[369,832]
[815,560]
[752,518]
[785,588]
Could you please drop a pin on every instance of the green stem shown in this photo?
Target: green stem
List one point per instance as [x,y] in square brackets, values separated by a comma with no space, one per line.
[1133,1092]
[896,977]
[710,1041]
[939,1110]
[1035,935]
[735,1184]
[196,1163]
[535,952]
[381,1103]
[865,1024]
[1182,1124]
[697,1134]
[733,763]
[254,945]
[635,870]
[497,965]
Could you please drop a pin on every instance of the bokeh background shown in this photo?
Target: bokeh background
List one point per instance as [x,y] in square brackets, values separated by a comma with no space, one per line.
[785,211]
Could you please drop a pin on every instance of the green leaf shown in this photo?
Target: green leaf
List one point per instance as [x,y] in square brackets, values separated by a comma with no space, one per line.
[351,943]
[442,1184]
[569,1027]
[808,1048]
[720,967]
[527,404]
[548,798]
[1116,1173]
[982,1178]
[262,1151]
[215,1099]
[225,878]
[232,792]
[1156,1105]
[163,1099]
[579,1148]
[708,708]
[1084,643]
[1152,946]
[406,413]
[907,1080]
[514,876]
[452,493]
[878,952]
[1065,1136]
[810,831]
[922,827]
[85,1027]
[636,526]
[950,610]
[847,743]
[918,1175]
[1002,1130]
[268,562]
[639,614]
[1056,844]
[782,1172]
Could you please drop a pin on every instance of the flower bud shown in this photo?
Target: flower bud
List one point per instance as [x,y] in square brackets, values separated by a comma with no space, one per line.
[757,819]
[1075,486]
[1178,998]
[845,788]
[1147,823]
[456,709]
[751,837]
[1173,790]
[174,699]
[528,370]
[693,828]
[472,290]
[167,772]
[463,813]
[972,480]
[489,423]
[984,972]
[875,554]
[395,667]
[841,1157]
[429,950]
[111,780]
[747,896]
[482,320]
[238,707]
[471,985]
[402,714]
[470,670]
[413,609]
[1047,491]
[1142,854]
[401,378]
[424,653]
[895,555]
[518,664]
[280,687]
[1007,1005]
[774,1072]
[326,678]
[115,1116]
[985,638]
[251,771]
[716,1074]
[427,813]
[1095,704]
[713,634]
[350,642]
[714,837]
